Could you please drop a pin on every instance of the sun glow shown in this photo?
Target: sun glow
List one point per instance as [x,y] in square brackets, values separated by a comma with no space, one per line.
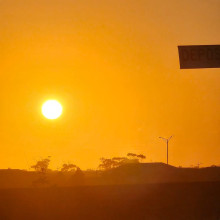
[52,109]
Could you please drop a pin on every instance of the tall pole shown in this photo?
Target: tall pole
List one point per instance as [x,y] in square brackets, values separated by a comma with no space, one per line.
[167,141]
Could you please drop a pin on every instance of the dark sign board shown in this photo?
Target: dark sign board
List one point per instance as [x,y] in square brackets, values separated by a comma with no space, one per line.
[199,56]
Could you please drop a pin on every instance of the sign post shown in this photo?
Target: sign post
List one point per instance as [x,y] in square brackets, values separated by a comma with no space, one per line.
[199,56]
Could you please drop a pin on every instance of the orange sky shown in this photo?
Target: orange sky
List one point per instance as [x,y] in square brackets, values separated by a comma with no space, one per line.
[114,66]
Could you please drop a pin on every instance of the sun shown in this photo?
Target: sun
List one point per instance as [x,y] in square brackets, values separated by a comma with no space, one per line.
[52,109]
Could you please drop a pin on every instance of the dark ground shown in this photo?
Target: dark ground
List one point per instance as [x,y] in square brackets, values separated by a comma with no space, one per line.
[150,201]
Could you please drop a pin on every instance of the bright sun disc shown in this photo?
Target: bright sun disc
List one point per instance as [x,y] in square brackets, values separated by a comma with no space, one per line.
[52,109]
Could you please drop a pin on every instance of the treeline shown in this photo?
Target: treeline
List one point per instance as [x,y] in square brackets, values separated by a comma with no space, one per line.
[106,163]
[77,176]
[109,163]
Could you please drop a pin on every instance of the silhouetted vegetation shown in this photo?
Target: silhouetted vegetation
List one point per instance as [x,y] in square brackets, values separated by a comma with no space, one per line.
[109,163]
[115,170]
[137,156]
[68,167]
[41,165]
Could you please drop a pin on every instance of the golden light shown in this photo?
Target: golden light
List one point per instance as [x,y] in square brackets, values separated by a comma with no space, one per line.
[52,109]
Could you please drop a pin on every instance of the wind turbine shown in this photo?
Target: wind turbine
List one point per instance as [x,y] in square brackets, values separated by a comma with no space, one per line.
[167,141]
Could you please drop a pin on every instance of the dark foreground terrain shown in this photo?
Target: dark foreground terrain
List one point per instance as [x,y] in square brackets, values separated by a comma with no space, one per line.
[151,201]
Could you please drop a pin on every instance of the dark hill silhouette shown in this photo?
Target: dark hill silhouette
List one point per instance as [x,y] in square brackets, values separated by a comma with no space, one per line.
[134,173]
[141,173]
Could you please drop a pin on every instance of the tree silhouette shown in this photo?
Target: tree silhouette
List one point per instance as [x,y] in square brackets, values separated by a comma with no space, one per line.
[109,163]
[68,167]
[131,155]
[136,156]
[141,156]
[41,165]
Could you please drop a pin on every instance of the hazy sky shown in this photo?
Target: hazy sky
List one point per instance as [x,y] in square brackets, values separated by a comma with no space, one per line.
[114,66]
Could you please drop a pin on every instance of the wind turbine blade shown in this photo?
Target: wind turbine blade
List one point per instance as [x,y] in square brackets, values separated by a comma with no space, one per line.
[163,138]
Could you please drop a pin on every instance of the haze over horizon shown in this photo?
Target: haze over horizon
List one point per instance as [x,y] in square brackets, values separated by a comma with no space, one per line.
[114,66]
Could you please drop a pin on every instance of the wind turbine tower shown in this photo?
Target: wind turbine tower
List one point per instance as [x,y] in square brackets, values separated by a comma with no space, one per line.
[167,141]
